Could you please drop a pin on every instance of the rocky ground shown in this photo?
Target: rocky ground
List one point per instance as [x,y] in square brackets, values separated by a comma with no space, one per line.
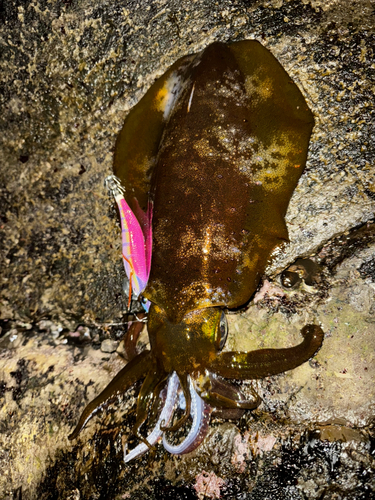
[70,72]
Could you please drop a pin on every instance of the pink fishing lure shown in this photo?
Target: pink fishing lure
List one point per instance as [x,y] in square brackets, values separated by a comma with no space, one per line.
[136,251]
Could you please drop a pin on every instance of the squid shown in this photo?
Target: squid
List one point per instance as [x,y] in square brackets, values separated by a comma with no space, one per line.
[204,168]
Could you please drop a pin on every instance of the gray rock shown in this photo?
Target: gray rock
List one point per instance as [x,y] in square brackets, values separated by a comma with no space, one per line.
[109,345]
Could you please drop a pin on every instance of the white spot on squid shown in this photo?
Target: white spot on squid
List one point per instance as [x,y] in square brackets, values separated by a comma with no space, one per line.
[191,98]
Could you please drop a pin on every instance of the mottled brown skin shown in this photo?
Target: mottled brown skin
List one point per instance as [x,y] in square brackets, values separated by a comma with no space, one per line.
[220,170]
[214,221]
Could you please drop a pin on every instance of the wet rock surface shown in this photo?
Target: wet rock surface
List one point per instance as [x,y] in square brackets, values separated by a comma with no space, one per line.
[70,72]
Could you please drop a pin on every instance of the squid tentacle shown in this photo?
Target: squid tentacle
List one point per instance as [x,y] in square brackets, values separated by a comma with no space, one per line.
[165,417]
[224,395]
[185,385]
[132,336]
[133,371]
[160,394]
[149,392]
[265,362]
[201,413]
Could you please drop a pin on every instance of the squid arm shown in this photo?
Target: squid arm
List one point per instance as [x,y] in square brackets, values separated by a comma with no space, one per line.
[265,362]
[164,418]
[200,412]
[150,390]
[133,371]
[184,383]
[223,395]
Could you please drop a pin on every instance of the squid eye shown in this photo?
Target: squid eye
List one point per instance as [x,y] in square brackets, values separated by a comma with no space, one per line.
[223,330]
